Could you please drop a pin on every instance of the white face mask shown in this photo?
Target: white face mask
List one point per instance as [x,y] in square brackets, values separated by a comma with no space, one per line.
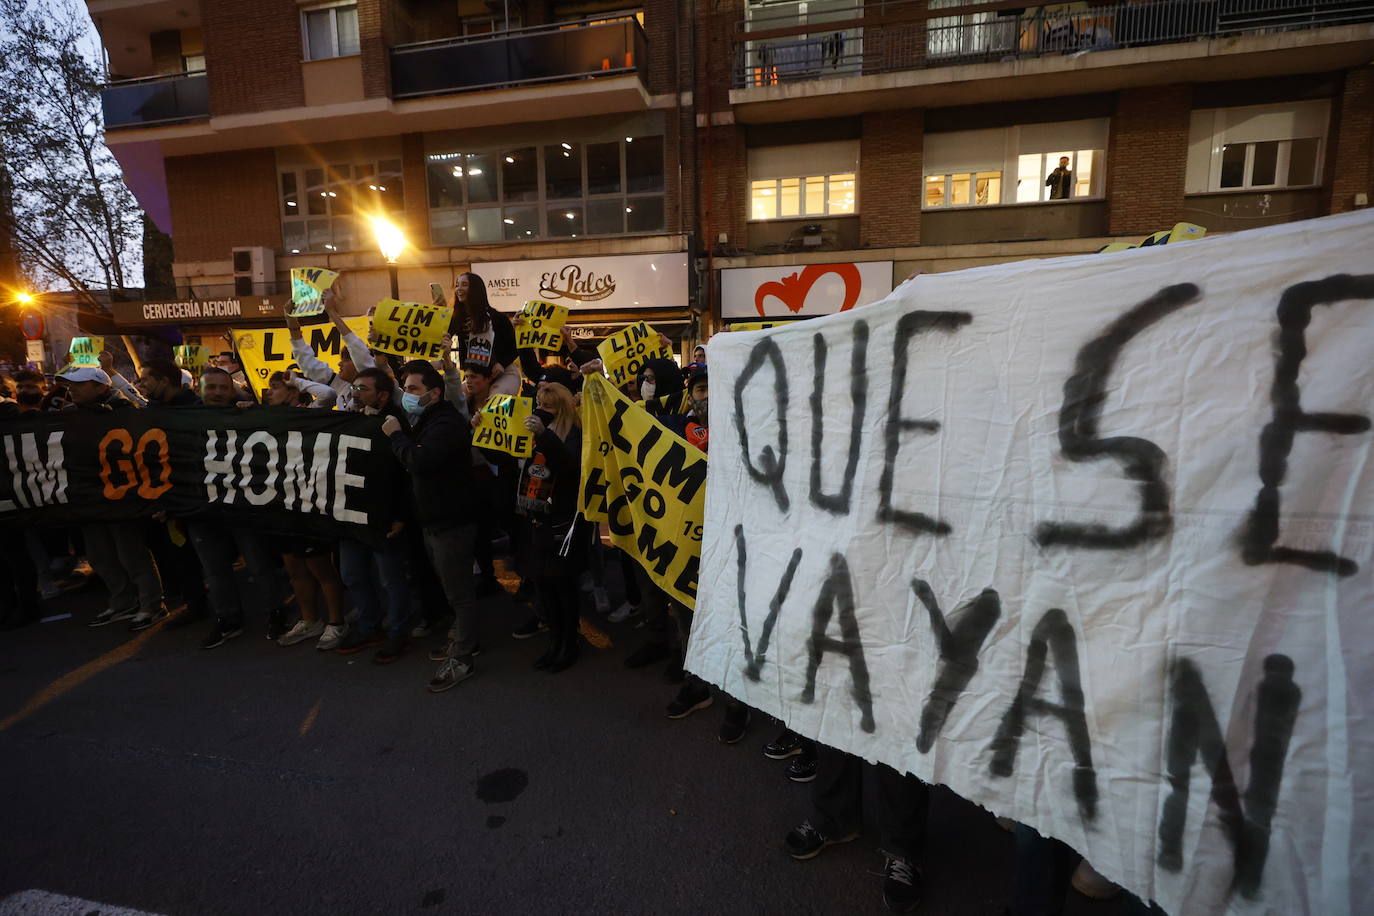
[646,390]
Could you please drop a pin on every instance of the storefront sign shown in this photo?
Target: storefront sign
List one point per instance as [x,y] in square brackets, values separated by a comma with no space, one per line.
[201,311]
[802,290]
[630,282]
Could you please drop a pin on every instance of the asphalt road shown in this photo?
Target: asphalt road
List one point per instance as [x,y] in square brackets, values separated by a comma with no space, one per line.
[144,773]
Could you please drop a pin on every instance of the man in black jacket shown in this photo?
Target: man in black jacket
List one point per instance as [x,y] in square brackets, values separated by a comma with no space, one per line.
[437,455]
[161,381]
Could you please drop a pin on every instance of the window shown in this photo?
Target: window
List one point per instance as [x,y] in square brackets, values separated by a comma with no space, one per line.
[193,63]
[330,31]
[320,205]
[1257,147]
[562,189]
[808,179]
[1014,165]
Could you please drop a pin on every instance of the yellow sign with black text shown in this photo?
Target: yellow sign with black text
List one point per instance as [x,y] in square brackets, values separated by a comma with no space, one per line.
[85,351]
[194,358]
[263,351]
[410,329]
[541,326]
[625,352]
[308,285]
[501,425]
[647,483]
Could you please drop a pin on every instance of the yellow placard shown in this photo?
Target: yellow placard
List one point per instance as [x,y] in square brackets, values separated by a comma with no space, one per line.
[191,357]
[85,351]
[1181,232]
[647,483]
[307,290]
[263,351]
[624,353]
[410,329]
[755,325]
[542,326]
[501,425]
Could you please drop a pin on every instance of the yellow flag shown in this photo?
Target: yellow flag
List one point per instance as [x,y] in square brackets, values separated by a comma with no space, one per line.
[501,425]
[625,352]
[542,328]
[410,329]
[264,351]
[85,351]
[647,483]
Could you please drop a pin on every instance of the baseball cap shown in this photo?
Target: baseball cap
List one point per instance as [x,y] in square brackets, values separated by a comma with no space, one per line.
[84,374]
[560,376]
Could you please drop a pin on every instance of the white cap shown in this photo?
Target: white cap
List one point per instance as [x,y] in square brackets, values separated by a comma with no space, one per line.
[186,380]
[84,374]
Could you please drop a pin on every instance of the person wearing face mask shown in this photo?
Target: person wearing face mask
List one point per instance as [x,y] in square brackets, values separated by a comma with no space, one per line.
[436,455]
[354,358]
[660,385]
[486,338]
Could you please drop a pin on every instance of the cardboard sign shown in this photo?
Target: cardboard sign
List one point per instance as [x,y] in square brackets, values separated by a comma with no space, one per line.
[191,357]
[501,425]
[647,483]
[410,329]
[85,351]
[263,351]
[307,290]
[542,328]
[1111,578]
[624,353]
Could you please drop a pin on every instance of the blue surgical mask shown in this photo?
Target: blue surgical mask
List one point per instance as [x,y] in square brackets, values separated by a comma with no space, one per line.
[410,403]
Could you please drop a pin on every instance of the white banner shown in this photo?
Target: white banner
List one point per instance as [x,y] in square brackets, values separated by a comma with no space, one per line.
[1088,540]
[636,281]
[802,290]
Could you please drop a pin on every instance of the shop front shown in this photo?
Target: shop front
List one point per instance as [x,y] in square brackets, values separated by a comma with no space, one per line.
[788,292]
[199,322]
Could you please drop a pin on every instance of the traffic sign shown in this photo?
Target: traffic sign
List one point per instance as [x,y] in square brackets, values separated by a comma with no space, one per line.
[35,351]
[31,323]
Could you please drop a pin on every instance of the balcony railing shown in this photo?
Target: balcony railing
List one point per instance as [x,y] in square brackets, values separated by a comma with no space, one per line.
[156,100]
[851,43]
[586,49]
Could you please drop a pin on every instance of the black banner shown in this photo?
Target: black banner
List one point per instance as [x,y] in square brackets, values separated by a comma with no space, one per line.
[284,470]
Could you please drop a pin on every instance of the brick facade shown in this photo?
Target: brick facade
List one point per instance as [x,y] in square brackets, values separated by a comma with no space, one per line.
[1147,155]
[376,34]
[890,178]
[253,49]
[1351,162]
[222,201]
[416,191]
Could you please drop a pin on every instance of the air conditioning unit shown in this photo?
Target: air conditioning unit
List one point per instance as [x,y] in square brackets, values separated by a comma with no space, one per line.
[255,272]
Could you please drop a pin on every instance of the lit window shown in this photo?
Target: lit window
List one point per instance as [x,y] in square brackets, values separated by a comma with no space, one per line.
[1047,176]
[963,189]
[808,195]
[330,31]
[318,205]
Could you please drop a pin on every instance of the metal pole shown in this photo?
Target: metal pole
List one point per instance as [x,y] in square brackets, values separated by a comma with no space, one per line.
[395,288]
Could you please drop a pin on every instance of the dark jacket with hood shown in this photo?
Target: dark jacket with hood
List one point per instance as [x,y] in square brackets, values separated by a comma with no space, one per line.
[436,453]
[669,388]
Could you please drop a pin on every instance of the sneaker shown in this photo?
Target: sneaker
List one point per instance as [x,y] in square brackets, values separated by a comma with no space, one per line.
[450,673]
[420,631]
[788,744]
[302,631]
[623,613]
[331,637]
[734,725]
[145,619]
[389,652]
[1089,883]
[442,652]
[689,701]
[600,600]
[901,885]
[806,842]
[647,654]
[532,627]
[803,769]
[110,615]
[276,623]
[222,632]
[357,641]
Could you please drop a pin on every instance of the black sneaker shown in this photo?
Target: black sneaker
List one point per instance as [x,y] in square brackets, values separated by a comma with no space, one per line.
[390,651]
[788,744]
[803,769]
[901,885]
[276,623]
[222,632]
[689,700]
[111,615]
[806,842]
[532,627]
[647,654]
[734,725]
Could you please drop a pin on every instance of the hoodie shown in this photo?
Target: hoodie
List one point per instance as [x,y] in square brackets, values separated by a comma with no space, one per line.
[669,388]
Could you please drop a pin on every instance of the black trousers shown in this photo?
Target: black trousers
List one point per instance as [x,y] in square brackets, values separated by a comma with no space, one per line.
[903,802]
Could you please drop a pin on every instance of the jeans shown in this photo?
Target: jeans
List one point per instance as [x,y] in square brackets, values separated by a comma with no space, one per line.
[375,578]
[450,551]
[218,547]
[903,802]
[119,554]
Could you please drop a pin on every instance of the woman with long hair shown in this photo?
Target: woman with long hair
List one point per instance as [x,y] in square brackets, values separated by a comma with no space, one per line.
[486,338]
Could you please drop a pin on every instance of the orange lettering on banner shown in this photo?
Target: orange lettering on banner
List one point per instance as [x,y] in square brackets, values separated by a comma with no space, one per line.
[122,465]
[158,438]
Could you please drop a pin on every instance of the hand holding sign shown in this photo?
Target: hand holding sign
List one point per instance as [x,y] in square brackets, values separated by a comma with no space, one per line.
[501,425]
[85,351]
[626,352]
[410,329]
[539,326]
[307,290]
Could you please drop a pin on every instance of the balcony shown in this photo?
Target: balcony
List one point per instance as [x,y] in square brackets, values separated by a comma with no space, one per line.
[957,54]
[155,100]
[585,50]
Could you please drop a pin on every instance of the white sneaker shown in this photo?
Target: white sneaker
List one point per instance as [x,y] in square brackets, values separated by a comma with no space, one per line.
[420,631]
[333,635]
[600,599]
[623,613]
[301,632]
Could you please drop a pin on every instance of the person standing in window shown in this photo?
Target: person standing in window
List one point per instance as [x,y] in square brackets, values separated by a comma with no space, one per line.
[1060,181]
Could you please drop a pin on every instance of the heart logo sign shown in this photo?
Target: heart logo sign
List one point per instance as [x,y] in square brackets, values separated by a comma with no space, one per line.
[793,288]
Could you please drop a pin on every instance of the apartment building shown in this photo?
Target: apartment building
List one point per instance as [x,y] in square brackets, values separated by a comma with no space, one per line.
[695,164]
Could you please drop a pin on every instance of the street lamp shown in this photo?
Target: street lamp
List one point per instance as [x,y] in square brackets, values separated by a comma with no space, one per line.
[23,298]
[392,242]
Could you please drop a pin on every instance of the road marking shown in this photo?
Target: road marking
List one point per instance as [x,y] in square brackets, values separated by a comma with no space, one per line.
[46,903]
[310,717]
[593,635]
[73,679]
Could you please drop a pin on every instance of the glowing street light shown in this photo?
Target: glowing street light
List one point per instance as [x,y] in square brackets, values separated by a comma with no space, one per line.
[23,298]
[391,241]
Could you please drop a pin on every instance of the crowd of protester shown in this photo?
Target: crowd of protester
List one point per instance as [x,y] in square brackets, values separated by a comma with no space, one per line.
[458,507]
